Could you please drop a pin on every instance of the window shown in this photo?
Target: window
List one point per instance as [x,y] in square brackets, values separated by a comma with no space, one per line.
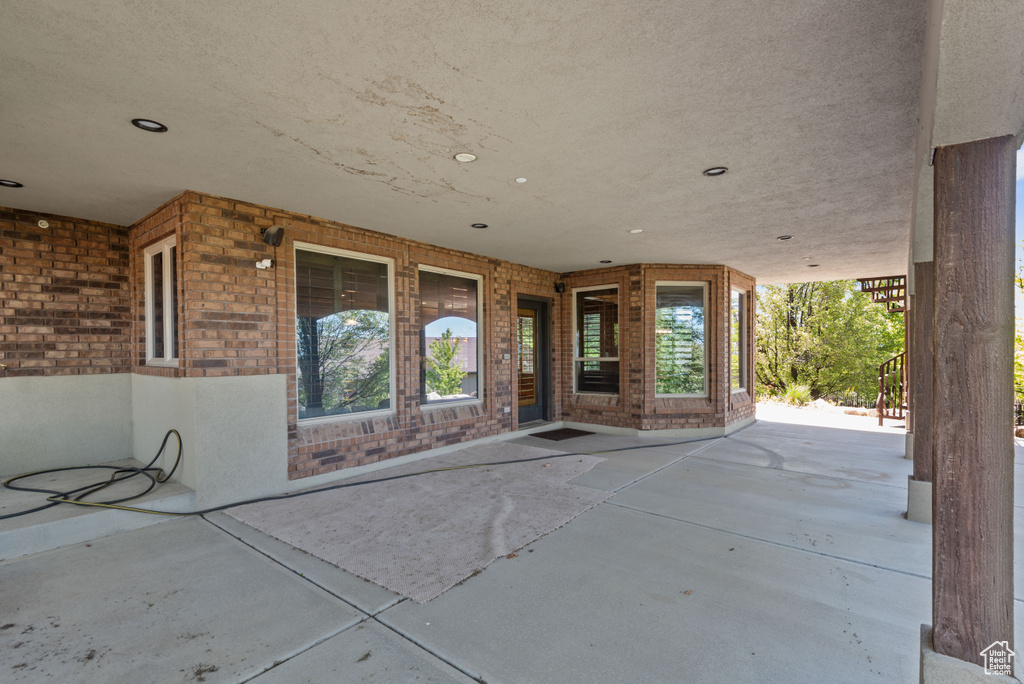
[597,340]
[162,303]
[343,337]
[738,340]
[449,314]
[679,332]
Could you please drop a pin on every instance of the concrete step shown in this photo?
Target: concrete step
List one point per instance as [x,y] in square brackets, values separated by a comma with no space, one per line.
[66,524]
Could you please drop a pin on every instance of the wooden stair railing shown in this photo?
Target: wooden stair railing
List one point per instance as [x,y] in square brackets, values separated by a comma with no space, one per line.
[890,290]
[892,376]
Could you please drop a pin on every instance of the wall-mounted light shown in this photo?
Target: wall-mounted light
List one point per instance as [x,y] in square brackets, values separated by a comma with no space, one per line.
[273,236]
[265,263]
[559,288]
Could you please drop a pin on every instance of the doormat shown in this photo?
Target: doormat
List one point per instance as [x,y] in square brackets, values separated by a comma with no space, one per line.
[419,536]
[560,434]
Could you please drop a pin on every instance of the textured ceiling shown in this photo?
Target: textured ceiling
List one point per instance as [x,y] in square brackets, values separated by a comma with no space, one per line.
[351,111]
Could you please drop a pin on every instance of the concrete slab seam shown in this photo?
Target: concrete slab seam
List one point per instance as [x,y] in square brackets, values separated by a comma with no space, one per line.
[669,464]
[474,677]
[305,649]
[296,572]
[801,472]
[768,541]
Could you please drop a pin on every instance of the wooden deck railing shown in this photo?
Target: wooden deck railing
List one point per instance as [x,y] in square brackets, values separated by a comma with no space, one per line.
[891,383]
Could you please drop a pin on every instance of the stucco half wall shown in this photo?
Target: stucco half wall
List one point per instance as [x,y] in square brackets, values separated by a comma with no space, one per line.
[234,432]
[64,420]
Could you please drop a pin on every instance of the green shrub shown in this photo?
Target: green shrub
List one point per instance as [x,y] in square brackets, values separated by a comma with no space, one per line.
[797,395]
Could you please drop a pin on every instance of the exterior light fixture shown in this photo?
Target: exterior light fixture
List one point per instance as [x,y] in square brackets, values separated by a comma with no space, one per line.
[11,184]
[479,226]
[606,261]
[465,157]
[272,236]
[812,265]
[715,171]
[783,238]
[636,231]
[520,180]
[149,125]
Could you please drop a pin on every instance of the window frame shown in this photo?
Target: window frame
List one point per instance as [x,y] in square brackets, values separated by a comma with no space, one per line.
[575,337]
[480,348]
[170,296]
[359,256]
[744,371]
[706,287]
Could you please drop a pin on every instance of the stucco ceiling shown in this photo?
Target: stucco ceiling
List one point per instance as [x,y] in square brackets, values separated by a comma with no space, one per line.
[352,111]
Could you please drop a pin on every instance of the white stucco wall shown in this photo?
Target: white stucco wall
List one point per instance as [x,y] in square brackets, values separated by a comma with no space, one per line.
[234,431]
[65,420]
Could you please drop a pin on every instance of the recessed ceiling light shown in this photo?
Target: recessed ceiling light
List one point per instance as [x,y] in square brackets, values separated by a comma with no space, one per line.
[812,265]
[606,261]
[465,157]
[715,171]
[11,184]
[636,230]
[149,125]
[520,180]
[479,226]
[783,238]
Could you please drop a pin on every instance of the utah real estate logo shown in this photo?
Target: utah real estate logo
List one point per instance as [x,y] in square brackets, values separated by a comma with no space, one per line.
[998,659]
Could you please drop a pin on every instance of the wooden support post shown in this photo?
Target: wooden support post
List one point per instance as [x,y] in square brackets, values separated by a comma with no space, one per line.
[972,532]
[922,331]
[909,390]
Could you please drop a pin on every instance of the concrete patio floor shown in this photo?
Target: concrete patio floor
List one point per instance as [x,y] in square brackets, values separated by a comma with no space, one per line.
[778,554]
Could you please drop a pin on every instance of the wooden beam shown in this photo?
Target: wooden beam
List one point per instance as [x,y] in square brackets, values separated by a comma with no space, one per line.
[972,578]
[922,343]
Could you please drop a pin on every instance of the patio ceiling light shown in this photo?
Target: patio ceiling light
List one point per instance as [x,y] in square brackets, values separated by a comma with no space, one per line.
[783,238]
[715,171]
[812,265]
[11,184]
[465,157]
[606,261]
[149,125]
[636,231]
[520,180]
[479,226]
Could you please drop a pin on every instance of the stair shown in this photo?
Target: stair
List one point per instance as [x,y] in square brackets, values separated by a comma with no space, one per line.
[66,524]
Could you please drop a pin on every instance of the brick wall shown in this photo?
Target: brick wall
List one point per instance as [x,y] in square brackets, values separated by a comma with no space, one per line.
[742,404]
[64,296]
[637,405]
[237,320]
[73,301]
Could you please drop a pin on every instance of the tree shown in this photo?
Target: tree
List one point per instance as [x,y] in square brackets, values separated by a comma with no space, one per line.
[343,360]
[1018,342]
[443,373]
[679,349]
[828,336]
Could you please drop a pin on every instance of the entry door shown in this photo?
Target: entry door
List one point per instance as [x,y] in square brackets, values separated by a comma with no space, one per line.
[534,365]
